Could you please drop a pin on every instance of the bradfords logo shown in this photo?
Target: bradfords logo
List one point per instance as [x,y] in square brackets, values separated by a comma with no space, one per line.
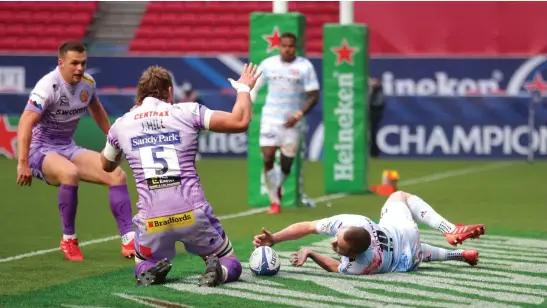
[169,222]
[343,168]
[441,84]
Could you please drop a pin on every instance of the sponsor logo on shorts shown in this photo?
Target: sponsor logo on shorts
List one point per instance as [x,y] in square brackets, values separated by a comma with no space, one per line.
[268,135]
[165,223]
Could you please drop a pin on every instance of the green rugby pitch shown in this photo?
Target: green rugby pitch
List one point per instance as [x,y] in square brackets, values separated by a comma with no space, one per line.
[509,197]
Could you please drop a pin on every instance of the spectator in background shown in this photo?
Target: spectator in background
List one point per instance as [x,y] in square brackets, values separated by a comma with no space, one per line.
[187,94]
[377,105]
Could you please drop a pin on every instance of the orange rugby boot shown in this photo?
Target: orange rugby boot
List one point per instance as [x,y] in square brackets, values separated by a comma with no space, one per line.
[463,232]
[471,257]
[274,209]
[71,250]
[128,250]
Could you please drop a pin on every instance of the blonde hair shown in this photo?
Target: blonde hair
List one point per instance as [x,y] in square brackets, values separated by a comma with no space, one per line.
[154,82]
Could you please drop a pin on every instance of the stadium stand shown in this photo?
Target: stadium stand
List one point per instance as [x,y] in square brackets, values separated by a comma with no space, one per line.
[212,27]
[41,26]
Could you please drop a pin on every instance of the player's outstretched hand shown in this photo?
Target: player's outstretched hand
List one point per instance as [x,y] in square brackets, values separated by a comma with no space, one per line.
[249,76]
[264,239]
[24,175]
[300,257]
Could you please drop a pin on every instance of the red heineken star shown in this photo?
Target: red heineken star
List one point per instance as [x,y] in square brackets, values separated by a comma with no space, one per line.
[536,85]
[344,53]
[272,39]
[8,137]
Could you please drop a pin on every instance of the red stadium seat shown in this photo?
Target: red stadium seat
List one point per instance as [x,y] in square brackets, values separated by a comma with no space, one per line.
[8,43]
[219,26]
[42,26]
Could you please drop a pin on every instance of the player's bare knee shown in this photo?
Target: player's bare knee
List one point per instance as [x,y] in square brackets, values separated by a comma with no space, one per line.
[268,156]
[286,164]
[117,177]
[69,175]
[268,164]
[269,161]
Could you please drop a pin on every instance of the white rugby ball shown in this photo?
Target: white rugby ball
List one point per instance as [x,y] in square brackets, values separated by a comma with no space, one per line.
[264,261]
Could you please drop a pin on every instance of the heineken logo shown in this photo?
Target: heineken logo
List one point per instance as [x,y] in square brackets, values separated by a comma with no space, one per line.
[344,169]
[273,39]
[344,53]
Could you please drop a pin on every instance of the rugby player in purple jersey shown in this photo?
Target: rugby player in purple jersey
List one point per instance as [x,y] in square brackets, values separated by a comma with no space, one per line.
[47,151]
[160,141]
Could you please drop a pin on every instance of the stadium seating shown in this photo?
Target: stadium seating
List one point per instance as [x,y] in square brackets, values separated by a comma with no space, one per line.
[216,27]
[41,26]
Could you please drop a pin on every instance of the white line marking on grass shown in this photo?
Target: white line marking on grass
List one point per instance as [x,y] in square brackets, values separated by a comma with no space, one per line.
[420,180]
[429,178]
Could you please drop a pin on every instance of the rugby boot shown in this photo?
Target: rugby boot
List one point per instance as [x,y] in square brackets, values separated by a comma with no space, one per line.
[274,209]
[156,274]
[471,257]
[71,250]
[463,232]
[128,250]
[213,272]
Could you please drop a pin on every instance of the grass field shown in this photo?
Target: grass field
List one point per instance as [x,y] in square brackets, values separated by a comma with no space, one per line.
[509,197]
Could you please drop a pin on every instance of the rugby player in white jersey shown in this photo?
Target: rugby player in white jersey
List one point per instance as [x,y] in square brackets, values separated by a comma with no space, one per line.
[46,148]
[293,90]
[392,245]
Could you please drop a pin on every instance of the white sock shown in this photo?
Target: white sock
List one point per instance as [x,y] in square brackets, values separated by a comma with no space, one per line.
[270,178]
[128,237]
[424,213]
[432,253]
[67,237]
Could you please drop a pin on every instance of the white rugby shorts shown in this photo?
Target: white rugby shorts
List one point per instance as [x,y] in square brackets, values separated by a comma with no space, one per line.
[276,135]
[396,216]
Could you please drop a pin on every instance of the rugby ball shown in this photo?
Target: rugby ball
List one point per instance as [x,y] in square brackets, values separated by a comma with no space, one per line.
[264,261]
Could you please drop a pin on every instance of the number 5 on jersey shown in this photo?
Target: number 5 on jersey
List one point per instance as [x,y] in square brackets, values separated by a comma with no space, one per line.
[159,159]
[161,166]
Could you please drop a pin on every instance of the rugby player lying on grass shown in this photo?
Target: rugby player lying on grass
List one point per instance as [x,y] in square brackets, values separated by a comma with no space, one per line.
[392,245]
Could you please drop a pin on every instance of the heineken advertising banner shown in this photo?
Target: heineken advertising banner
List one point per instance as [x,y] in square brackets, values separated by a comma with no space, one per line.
[345,71]
[413,127]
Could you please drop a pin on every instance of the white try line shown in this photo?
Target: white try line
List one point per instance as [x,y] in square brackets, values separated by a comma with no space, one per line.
[430,178]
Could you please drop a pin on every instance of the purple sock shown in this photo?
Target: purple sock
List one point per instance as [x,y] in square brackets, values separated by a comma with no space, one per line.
[141,267]
[68,204]
[120,205]
[233,266]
